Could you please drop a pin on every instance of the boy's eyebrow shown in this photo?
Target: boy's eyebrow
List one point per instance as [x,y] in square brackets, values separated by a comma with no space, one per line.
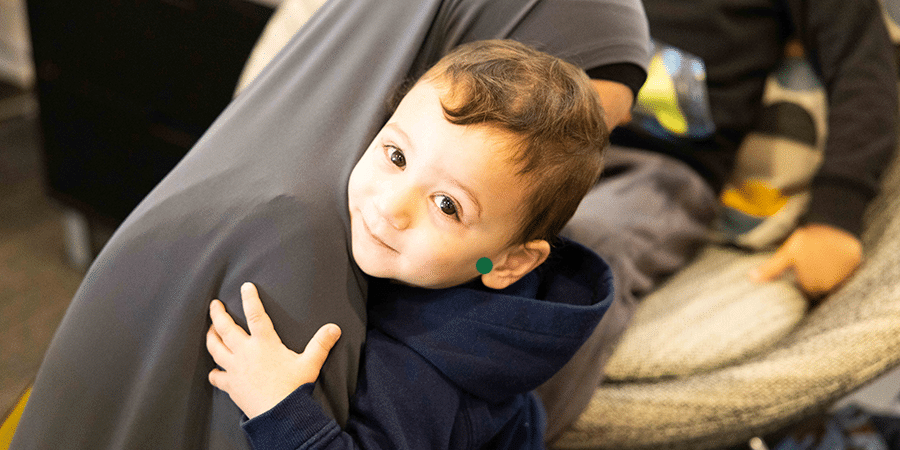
[396,129]
[469,194]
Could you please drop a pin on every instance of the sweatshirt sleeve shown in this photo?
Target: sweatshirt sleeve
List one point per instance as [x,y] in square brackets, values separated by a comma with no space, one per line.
[401,403]
[848,44]
[296,422]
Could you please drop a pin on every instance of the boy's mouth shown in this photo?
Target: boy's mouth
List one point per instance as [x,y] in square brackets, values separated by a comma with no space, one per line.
[375,237]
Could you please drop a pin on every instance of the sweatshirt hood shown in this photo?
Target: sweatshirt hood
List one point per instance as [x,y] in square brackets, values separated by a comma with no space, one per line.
[498,343]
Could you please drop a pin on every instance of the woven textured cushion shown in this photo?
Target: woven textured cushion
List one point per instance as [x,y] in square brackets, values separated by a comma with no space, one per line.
[708,315]
[847,340]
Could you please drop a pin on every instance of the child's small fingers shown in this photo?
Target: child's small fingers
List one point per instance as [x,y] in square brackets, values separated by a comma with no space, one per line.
[230,333]
[772,268]
[258,321]
[218,379]
[217,349]
[321,344]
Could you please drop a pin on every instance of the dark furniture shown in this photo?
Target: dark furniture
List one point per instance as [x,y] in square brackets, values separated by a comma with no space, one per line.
[126,87]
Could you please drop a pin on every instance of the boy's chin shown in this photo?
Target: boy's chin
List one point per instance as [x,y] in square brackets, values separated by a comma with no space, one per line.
[372,270]
[431,284]
[376,268]
[421,280]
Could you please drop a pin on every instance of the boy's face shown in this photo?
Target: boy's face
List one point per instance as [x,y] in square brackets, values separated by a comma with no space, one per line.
[429,198]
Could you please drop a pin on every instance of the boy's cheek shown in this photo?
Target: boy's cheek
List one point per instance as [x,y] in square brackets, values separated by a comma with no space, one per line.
[354,188]
[361,177]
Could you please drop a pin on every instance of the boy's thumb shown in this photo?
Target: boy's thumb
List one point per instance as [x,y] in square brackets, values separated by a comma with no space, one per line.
[322,343]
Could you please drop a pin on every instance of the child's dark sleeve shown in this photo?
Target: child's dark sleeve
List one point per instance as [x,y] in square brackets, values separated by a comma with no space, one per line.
[401,402]
[850,48]
[296,421]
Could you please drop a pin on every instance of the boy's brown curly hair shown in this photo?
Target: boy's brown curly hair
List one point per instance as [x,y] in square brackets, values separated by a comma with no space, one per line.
[550,111]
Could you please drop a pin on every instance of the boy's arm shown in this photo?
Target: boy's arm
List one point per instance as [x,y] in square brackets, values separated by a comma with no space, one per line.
[273,386]
[258,370]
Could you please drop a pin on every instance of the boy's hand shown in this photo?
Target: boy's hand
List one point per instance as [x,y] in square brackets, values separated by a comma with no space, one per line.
[259,371]
[822,257]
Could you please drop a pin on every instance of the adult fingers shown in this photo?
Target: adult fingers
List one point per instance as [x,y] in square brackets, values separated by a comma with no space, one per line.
[230,333]
[258,321]
[321,343]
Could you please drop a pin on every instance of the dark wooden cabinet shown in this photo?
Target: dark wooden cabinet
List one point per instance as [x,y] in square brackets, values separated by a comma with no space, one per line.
[126,87]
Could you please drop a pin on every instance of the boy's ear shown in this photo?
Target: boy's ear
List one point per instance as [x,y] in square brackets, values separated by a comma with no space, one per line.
[516,263]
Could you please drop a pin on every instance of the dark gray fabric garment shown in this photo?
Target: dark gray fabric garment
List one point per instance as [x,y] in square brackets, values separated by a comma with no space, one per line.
[742,41]
[262,198]
[647,217]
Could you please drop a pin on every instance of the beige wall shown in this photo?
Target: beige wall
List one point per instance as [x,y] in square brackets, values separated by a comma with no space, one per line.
[16,65]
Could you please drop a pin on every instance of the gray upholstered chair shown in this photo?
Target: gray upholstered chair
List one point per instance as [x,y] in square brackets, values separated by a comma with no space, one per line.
[742,360]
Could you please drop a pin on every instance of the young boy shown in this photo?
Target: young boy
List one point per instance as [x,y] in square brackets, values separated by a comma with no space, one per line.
[481,164]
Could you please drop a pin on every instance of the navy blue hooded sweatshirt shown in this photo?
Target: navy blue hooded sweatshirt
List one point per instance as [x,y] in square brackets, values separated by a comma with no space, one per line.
[454,368]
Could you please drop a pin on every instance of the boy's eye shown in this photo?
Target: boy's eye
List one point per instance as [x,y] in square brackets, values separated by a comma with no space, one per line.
[447,205]
[397,157]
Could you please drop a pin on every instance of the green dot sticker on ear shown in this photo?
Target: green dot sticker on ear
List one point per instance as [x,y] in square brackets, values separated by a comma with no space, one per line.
[484,265]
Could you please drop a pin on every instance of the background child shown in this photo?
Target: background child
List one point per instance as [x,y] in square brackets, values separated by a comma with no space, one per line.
[487,156]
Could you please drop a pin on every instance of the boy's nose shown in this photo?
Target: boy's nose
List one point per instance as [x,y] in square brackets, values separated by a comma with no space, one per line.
[396,206]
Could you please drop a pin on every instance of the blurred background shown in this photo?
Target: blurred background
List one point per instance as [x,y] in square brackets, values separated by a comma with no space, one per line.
[74,122]
[36,280]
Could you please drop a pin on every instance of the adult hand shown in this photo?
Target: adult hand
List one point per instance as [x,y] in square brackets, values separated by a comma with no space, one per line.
[821,256]
[258,369]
